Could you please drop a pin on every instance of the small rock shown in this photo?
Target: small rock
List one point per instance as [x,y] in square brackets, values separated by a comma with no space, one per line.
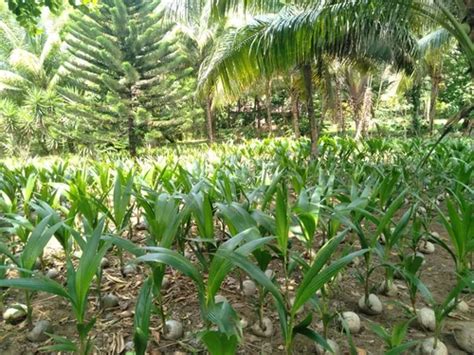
[332,344]
[104,263]
[372,306]
[426,319]
[52,273]
[15,313]
[110,301]
[264,331]
[173,330]
[38,334]
[249,288]
[129,269]
[352,321]
[427,347]
[464,335]
[426,247]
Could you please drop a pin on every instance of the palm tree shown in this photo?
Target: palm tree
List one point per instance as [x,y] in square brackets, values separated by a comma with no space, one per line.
[296,38]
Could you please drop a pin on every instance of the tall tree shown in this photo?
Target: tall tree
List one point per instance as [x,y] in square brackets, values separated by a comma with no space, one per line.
[29,99]
[123,69]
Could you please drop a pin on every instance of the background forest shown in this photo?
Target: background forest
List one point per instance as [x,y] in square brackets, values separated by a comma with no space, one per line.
[131,75]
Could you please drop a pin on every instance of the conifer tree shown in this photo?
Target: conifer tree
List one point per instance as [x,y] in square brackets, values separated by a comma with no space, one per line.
[122,72]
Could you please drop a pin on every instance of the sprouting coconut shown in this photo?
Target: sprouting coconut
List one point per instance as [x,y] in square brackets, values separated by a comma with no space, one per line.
[388,288]
[426,247]
[263,328]
[428,347]
[426,319]
[371,306]
[464,336]
[332,344]
[249,288]
[351,320]
[462,307]
[173,330]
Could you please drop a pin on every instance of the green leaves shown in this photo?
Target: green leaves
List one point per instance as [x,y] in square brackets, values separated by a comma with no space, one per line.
[35,284]
[38,239]
[317,276]
[88,266]
[282,220]
[218,343]
[141,320]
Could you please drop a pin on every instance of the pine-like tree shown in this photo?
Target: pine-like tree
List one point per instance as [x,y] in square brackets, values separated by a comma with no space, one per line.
[122,72]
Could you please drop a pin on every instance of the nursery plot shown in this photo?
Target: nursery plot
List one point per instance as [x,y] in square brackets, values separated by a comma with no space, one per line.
[361,251]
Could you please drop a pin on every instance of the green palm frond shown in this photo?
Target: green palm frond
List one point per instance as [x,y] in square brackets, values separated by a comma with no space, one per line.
[276,43]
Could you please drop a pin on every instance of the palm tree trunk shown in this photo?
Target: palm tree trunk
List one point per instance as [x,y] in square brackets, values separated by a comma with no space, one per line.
[367,109]
[268,104]
[338,107]
[435,81]
[416,104]
[295,113]
[308,84]
[209,119]
[256,110]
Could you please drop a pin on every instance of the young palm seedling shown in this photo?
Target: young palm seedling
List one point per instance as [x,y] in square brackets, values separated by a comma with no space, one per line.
[32,250]
[219,314]
[395,339]
[79,282]
[316,277]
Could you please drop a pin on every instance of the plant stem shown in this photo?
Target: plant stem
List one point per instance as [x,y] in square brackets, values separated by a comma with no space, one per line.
[29,311]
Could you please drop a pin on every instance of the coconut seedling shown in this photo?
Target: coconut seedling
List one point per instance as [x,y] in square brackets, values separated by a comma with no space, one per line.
[410,270]
[441,310]
[317,276]
[164,219]
[76,292]
[121,209]
[391,236]
[352,213]
[394,339]
[32,250]
[238,220]
[219,314]
[459,224]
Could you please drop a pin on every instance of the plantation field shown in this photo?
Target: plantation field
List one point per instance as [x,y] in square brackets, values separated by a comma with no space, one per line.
[241,248]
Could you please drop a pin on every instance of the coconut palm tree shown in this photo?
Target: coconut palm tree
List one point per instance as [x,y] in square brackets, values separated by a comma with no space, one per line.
[297,37]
